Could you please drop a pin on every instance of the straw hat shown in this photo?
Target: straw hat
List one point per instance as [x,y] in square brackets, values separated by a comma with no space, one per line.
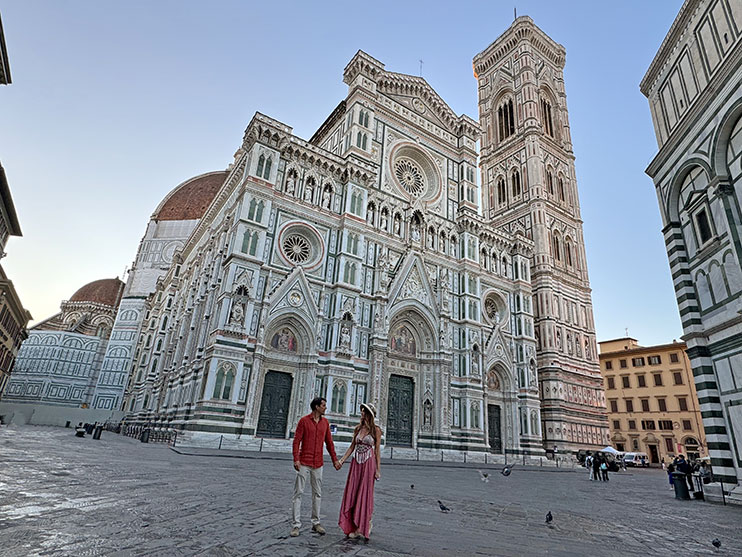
[369,408]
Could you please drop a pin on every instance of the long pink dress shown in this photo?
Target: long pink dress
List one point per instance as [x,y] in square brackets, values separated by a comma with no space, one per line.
[358,498]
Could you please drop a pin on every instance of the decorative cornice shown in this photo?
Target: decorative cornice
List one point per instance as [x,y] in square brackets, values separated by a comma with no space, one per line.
[522,29]
[662,57]
[392,83]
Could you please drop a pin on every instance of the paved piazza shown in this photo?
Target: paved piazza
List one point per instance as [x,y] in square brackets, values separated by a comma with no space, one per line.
[62,495]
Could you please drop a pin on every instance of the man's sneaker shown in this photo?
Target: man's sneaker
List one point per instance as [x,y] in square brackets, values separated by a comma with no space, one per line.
[318,528]
[294,532]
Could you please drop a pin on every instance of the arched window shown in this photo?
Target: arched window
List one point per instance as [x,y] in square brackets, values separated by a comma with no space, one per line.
[475,415]
[153,368]
[355,202]
[228,383]
[501,192]
[549,181]
[261,164]
[219,384]
[360,117]
[505,119]
[491,196]
[556,248]
[245,241]
[546,119]
[159,345]
[254,243]
[365,119]
[560,186]
[359,138]
[365,137]
[515,179]
[568,253]
[267,172]
[338,399]
[164,323]
[259,213]
[251,211]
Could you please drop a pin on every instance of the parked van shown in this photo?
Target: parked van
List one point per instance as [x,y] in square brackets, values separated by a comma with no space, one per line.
[636,459]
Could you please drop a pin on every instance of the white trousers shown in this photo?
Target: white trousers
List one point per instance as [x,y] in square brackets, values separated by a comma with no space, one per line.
[315,479]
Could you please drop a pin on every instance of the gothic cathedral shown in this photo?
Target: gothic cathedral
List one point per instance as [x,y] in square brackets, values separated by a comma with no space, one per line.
[369,263]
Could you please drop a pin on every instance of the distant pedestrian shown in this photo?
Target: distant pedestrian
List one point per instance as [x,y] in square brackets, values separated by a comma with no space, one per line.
[596,466]
[682,465]
[663,465]
[312,432]
[589,466]
[604,470]
[670,470]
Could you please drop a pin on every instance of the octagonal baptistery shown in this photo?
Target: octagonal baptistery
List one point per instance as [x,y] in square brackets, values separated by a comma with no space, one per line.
[58,363]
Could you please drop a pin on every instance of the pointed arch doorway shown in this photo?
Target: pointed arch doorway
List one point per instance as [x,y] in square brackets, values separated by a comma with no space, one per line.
[274,407]
[401,405]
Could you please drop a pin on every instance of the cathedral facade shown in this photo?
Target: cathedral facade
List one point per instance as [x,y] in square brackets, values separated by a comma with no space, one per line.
[367,264]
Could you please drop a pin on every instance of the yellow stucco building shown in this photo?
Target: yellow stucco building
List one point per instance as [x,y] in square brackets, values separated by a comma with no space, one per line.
[651,399]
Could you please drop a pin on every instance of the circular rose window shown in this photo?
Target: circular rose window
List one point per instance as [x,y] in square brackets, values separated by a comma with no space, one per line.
[414,172]
[299,244]
[297,248]
[410,176]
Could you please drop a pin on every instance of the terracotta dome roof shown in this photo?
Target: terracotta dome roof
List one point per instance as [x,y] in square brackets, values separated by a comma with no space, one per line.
[190,200]
[105,291]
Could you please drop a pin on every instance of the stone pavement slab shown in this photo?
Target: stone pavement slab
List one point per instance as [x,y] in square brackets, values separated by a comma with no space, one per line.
[61,495]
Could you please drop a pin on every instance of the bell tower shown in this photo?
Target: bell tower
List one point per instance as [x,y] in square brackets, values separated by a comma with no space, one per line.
[529,187]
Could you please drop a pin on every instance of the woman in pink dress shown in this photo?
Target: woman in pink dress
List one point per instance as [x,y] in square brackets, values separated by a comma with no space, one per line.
[358,498]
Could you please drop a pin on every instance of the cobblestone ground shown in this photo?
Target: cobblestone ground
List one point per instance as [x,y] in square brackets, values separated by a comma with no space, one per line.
[62,495]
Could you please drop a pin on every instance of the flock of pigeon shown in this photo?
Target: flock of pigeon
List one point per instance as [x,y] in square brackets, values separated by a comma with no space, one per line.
[506,471]
[485,477]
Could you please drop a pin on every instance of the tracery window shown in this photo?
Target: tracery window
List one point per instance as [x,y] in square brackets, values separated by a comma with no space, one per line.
[515,179]
[349,276]
[267,171]
[546,119]
[501,192]
[352,243]
[549,181]
[338,398]
[505,119]
[560,185]
[556,248]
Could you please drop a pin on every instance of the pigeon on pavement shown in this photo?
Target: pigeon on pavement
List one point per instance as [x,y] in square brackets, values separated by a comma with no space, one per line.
[444,508]
[484,476]
[549,518]
[716,543]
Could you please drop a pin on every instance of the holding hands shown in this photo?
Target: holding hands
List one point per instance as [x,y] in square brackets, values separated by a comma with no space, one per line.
[338,464]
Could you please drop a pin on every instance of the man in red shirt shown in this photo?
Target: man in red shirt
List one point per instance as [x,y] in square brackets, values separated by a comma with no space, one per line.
[312,431]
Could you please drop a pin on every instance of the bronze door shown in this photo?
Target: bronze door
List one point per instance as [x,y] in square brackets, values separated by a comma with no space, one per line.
[399,421]
[274,407]
[495,430]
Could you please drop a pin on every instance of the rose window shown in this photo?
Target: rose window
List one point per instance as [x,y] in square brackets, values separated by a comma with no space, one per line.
[296,248]
[410,176]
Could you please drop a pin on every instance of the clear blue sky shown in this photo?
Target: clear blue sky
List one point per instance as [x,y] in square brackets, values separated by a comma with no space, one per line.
[115,103]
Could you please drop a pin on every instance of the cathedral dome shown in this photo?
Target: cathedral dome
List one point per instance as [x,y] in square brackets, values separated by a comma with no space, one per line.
[190,199]
[104,291]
